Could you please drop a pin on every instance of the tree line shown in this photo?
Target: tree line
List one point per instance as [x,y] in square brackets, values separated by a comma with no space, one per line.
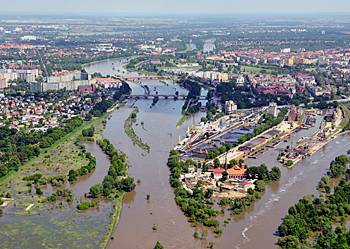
[314,218]
[19,146]
[196,206]
[116,182]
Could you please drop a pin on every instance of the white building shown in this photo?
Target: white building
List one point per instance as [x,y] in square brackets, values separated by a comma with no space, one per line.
[272,109]
[240,81]
[230,107]
[285,50]
[28,38]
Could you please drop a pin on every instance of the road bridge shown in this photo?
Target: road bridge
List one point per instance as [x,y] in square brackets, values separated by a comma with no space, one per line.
[149,77]
[164,96]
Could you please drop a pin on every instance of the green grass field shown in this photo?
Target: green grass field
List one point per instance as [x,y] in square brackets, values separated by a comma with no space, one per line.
[255,69]
[60,157]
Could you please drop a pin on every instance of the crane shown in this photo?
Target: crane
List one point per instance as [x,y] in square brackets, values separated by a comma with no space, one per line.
[192,128]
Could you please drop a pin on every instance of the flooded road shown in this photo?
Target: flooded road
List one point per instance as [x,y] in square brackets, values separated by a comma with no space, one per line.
[254,228]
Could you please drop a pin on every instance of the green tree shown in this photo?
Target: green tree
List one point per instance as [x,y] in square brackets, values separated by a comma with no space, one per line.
[321,184]
[259,185]
[39,191]
[72,176]
[211,244]
[3,170]
[275,174]
[288,242]
[158,245]
[94,191]
[289,163]
[328,189]
[217,163]
[88,117]
[208,193]
[224,175]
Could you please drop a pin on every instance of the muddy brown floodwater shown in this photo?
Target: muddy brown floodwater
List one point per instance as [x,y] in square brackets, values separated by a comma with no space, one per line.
[254,228]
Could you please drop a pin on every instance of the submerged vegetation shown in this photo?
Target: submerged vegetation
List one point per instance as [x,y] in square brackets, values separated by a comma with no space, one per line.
[264,176]
[312,220]
[131,133]
[116,182]
[193,205]
[197,205]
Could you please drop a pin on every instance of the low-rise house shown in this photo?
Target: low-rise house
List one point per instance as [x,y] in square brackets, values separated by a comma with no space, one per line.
[191,168]
[211,168]
[245,185]
[218,173]
[190,178]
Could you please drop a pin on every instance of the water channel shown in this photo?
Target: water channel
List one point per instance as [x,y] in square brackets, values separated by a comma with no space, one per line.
[255,228]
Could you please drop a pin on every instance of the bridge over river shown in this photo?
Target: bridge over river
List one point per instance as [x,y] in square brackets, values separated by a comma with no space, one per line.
[146,77]
[164,96]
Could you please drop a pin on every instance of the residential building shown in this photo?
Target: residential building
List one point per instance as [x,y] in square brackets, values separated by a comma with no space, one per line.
[218,173]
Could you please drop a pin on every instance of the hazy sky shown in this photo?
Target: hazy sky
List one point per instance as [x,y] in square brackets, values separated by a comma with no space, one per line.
[176,6]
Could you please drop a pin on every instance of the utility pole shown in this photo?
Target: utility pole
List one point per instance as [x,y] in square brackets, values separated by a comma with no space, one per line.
[171,137]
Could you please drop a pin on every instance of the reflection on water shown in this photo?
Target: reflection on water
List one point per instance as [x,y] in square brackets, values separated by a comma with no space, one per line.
[129,197]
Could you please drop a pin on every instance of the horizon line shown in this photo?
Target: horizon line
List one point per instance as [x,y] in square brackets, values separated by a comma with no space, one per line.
[170,13]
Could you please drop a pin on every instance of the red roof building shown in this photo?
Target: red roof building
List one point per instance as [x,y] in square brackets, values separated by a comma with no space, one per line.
[237,172]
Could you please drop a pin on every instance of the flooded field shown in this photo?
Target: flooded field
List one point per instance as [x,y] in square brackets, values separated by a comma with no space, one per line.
[51,226]
[254,228]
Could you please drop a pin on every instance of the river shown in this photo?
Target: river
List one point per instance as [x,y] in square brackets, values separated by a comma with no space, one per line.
[254,228]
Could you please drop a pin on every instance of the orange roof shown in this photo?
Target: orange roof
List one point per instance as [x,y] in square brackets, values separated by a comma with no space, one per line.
[236,170]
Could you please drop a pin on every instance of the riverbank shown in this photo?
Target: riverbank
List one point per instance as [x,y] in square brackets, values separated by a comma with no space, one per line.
[182,120]
[114,223]
[103,220]
[61,157]
[139,71]
[96,62]
[131,133]
[317,146]
[321,137]
[293,236]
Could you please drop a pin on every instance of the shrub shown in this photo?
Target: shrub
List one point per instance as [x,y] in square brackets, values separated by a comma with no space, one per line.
[39,191]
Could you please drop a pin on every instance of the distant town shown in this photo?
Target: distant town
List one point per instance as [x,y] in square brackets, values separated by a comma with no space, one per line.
[91,107]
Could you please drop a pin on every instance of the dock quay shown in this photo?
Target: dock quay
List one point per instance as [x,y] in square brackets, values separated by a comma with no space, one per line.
[259,153]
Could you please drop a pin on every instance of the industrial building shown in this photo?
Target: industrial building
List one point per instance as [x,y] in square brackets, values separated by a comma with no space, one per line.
[272,109]
[230,107]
